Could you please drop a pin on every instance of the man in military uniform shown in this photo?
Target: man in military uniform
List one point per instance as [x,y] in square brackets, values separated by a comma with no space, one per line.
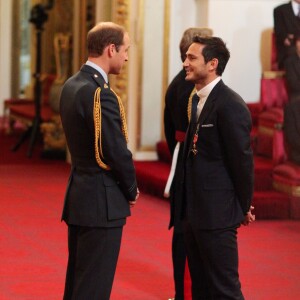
[102,184]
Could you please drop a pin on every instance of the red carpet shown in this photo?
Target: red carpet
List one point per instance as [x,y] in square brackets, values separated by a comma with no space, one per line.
[33,242]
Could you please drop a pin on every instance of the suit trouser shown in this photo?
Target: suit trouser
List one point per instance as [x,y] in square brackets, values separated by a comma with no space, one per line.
[213,263]
[179,261]
[93,255]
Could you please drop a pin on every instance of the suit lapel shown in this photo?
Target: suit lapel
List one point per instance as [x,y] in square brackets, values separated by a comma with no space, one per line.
[209,103]
[291,16]
[207,108]
[188,139]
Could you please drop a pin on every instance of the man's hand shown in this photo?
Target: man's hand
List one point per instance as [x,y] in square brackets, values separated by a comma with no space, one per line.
[249,218]
[132,203]
[288,40]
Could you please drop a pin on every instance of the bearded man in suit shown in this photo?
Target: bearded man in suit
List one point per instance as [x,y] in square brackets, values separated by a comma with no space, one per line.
[218,174]
[286,26]
[102,184]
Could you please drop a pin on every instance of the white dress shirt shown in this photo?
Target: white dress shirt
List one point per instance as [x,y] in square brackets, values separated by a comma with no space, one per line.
[204,93]
[296,8]
[100,70]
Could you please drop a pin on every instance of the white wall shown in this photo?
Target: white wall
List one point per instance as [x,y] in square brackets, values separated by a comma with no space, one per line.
[5,50]
[241,24]
[152,73]
[180,19]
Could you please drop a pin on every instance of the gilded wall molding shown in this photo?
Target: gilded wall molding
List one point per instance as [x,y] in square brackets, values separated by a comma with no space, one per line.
[167,8]
[121,15]
[15,84]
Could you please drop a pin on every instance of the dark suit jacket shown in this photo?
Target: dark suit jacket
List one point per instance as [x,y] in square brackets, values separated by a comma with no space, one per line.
[285,22]
[176,119]
[219,178]
[292,74]
[94,196]
[176,103]
[291,129]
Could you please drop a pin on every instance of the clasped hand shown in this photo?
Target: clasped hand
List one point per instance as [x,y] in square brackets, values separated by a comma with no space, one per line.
[249,218]
[133,202]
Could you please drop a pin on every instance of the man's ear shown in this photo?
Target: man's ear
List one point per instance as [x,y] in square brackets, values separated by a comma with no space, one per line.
[214,64]
[111,49]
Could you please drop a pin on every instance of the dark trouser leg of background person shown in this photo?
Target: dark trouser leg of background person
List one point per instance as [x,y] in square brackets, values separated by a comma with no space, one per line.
[213,259]
[93,255]
[179,261]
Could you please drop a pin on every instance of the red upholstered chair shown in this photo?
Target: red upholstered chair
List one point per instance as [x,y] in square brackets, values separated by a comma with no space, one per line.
[286,174]
[286,178]
[255,110]
[6,111]
[23,110]
[273,98]
[279,152]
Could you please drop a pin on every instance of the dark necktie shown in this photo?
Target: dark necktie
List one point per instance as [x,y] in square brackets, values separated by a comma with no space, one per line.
[192,126]
[195,101]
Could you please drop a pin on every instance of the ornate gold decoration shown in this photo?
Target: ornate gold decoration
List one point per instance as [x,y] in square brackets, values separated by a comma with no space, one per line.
[62,56]
[287,189]
[273,74]
[266,130]
[120,15]
[166,46]
[270,131]
[62,59]
[53,134]
[98,127]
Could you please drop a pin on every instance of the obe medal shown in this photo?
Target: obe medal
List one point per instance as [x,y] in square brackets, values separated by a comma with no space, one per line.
[195,139]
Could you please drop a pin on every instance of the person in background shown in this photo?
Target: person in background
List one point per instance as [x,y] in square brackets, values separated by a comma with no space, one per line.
[291,130]
[175,124]
[292,71]
[218,174]
[291,124]
[286,25]
[102,185]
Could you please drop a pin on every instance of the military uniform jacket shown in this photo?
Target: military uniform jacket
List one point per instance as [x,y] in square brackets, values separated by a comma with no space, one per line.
[94,196]
[219,178]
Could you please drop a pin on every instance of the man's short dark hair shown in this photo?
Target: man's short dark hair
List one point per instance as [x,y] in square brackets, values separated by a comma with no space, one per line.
[187,39]
[214,47]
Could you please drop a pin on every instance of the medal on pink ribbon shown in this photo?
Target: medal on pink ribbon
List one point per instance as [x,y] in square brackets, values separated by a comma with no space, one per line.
[195,139]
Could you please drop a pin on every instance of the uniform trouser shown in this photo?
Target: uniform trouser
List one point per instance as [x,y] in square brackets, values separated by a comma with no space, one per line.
[213,263]
[93,255]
